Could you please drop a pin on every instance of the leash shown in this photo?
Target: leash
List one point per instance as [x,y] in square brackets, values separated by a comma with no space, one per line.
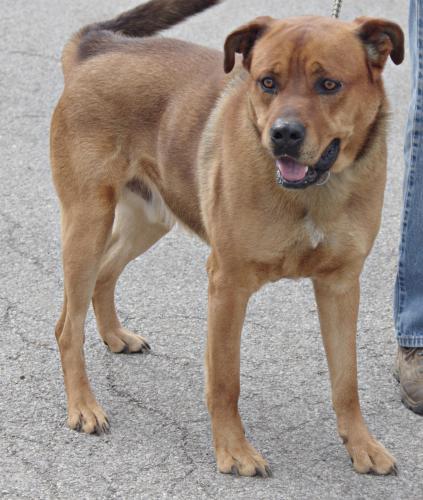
[336,8]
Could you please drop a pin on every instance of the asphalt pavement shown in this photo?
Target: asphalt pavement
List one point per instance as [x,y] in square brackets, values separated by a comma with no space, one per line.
[160,444]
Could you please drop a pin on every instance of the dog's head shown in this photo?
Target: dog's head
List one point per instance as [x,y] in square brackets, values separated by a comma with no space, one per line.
[315,88]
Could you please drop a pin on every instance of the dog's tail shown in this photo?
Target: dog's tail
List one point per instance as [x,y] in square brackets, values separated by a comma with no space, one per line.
[142,21]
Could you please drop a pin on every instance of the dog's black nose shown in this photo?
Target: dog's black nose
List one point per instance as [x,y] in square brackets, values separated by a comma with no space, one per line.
[287,137]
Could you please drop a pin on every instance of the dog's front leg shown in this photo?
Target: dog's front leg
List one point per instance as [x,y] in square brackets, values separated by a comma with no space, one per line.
[228,297]
[338,300]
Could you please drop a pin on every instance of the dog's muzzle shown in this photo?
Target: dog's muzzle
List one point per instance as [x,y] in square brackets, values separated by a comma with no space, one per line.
[294,175]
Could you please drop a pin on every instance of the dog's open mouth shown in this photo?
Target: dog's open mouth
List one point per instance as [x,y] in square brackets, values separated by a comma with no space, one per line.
[294,175]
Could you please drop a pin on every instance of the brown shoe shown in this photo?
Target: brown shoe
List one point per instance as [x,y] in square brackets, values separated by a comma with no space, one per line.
[409,373]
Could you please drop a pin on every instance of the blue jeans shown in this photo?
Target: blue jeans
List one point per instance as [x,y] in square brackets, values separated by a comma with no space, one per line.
[408,306]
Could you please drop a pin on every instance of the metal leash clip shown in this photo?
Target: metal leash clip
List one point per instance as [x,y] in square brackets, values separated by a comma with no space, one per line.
[336,8]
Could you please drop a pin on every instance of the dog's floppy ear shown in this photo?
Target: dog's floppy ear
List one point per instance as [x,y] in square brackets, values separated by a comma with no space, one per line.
[242,41]
[381,39]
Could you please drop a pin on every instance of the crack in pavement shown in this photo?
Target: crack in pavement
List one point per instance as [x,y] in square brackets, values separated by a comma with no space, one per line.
[12,307]
[15,244]
[156,412]
[43,475]
[28,53]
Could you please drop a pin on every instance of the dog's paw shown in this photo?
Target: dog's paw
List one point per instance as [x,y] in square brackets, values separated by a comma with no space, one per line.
[371,457]
[88,417]
[123,341]
[241,459]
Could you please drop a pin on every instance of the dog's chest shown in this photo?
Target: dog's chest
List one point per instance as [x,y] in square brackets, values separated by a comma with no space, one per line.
[314,233]
[306,251]
[310,250]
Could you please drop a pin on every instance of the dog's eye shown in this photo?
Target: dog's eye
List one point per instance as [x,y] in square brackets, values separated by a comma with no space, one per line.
[328,86]
[268,85]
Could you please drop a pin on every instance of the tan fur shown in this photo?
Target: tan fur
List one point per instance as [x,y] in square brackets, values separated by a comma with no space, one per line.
[164,113]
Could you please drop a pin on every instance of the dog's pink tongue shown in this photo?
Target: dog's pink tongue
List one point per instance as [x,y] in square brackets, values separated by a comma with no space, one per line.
[291,170]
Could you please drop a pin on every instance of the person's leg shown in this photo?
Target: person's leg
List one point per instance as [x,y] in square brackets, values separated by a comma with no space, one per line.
[408,307]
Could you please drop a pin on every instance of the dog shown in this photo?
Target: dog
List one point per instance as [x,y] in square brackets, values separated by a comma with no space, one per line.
[272,152]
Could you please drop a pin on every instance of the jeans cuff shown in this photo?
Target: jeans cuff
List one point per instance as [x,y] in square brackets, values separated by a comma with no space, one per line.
[410,340]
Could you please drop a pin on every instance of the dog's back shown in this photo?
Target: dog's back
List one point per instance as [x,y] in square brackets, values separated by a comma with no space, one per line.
[143,21]
[145,81]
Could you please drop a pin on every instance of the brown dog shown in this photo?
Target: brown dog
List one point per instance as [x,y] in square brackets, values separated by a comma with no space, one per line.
[279,166]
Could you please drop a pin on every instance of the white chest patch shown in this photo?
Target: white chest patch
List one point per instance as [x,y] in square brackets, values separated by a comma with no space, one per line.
[315,234]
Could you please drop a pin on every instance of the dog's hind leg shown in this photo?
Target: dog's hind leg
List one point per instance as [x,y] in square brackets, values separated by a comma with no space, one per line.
[86,225]
[137,226]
